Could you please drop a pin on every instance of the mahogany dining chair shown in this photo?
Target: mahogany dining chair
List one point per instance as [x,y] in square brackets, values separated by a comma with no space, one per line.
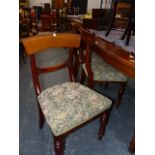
[96,69]
[67,106]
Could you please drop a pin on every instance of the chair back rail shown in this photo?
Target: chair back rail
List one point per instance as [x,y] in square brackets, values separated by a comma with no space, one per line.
[36,44]
[42,42]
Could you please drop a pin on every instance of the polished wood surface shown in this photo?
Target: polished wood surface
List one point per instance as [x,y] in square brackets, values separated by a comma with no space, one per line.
[40,42]
[116,56]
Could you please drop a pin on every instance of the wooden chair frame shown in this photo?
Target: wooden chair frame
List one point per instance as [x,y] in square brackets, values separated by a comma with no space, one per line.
[34,45]
[88,41]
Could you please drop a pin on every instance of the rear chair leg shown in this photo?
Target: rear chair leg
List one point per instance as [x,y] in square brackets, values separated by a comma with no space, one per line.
[71,74]
[41,117]
[120,94]
[76,65]
[103,123]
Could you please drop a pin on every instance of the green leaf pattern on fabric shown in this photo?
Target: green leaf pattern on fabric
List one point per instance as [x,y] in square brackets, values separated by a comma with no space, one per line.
[102,71]
[70,104]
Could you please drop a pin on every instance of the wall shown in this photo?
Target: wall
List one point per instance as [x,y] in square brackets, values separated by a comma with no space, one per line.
[39,2]
[91,3]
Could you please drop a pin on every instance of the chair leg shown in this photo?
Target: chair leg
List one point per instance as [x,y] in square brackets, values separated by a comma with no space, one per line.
[120,94]
[59,146]
[83,77]
[124,34]
[76,65]
[128,38]
[106,85]
[71,66]
[126,30]
[103,123]
[70,74]
[112,19]
[41,117]
[129,33]
[110,26]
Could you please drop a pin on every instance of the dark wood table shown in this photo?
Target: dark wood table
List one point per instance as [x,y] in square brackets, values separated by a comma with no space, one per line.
[120,58]
[116,56]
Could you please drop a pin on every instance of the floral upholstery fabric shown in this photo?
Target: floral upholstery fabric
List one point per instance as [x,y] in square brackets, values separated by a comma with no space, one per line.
[102,71]
[70,104]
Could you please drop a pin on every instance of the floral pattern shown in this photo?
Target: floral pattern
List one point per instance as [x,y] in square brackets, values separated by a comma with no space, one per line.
[70,104]
[102,71]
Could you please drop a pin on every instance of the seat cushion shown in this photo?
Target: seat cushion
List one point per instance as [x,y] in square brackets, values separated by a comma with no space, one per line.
[70,104]
[102,71]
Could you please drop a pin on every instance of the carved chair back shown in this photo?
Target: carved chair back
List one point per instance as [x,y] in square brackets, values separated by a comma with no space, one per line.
[36,44]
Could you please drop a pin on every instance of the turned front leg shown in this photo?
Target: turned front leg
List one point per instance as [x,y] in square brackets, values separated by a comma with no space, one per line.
[103,123]
[58,146]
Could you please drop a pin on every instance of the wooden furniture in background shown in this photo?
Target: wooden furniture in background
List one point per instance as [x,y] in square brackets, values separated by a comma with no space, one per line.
[58,6]
[80,5]
[121,12]
[130,27]
[99,19]
[47,8]
[24,3]
[46,22]
[68,106]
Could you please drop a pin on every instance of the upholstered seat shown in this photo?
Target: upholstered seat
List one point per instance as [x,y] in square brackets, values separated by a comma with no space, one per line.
[102,71]
[70,104]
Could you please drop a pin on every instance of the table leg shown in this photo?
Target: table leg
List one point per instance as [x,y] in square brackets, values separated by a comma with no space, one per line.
[132,145]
